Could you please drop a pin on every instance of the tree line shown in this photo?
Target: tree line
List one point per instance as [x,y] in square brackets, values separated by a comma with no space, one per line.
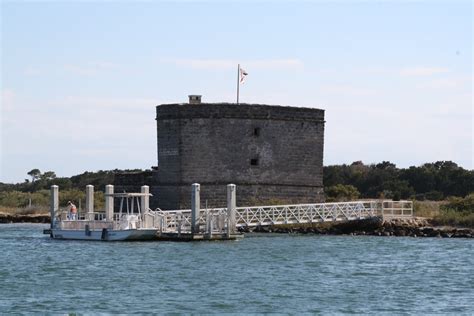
[33,192]
[44,180]
[430,181]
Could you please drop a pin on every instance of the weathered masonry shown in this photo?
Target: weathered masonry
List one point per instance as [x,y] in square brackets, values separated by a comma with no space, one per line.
[274,154]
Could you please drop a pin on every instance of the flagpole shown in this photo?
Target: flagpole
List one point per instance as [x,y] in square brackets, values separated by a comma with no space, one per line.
[238,83]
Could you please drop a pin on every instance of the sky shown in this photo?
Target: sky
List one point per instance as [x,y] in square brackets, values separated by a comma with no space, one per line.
[80,80]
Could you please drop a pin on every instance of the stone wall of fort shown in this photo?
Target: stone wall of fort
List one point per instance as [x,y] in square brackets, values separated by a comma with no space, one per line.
[274,154]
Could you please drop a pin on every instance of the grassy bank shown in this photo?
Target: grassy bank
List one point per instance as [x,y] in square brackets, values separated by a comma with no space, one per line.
[455,211]
[428,209]
[18,203]
[454,218]
[34,210]
[458,212]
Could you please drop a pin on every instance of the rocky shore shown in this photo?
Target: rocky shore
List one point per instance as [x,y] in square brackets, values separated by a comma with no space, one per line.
[20,218]
[412,227]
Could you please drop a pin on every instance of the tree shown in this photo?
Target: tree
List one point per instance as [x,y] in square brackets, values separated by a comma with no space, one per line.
[48,175]
[341,192]
[34,174]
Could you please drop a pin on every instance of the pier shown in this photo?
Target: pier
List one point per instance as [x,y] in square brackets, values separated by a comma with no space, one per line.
[205,224]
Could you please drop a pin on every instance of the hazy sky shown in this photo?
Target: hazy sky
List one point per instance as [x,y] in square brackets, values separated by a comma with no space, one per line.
[80,81]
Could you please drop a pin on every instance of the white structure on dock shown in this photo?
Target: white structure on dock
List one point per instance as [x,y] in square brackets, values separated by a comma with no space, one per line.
[130,223]
[136,221]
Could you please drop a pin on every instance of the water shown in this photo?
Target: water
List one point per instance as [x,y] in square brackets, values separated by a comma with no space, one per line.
[261,274]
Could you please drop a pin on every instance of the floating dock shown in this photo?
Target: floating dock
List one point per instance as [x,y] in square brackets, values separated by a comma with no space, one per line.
[134,220]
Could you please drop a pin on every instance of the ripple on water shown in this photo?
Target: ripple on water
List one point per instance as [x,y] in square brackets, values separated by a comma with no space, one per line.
[260,274]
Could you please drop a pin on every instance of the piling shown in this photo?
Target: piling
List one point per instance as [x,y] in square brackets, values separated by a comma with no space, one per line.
[109,202]
[145,205]
[145,199]
[54,203]
[231,205]
[195,207]
[90,201]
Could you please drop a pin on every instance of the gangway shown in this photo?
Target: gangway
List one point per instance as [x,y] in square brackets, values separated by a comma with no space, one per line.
[217,220]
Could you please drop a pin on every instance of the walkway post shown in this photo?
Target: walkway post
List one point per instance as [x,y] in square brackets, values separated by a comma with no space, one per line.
[54,204]
[195,207]
[231,204]
[109,203]
[90,202]
[144,202]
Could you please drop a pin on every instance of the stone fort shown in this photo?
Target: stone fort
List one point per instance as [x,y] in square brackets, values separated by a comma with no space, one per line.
[274,154]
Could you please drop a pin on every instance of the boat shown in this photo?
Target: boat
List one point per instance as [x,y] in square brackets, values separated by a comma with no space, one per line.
[133,221]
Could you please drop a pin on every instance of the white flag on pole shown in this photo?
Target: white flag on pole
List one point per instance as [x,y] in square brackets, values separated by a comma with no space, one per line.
[243,74]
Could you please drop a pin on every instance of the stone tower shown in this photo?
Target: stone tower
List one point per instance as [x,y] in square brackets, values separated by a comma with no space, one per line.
[274,154]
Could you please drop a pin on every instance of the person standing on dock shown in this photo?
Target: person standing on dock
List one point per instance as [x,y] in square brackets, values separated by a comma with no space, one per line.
[72,210]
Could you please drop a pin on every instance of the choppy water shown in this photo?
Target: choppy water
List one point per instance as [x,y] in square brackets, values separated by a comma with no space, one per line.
[260,274]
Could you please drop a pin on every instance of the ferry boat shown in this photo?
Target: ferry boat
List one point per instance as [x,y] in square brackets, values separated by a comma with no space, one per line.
[133,221]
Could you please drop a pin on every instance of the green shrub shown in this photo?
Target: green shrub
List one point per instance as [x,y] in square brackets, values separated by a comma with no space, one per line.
[434,196]
[40,200]
[454,218]
[426,208]
[342,192]
[14,199]
[465,204]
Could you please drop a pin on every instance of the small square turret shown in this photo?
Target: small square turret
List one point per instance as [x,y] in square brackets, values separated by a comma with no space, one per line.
[194,99]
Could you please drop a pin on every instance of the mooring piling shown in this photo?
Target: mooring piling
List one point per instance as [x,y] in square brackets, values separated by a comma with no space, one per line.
[145,198]
[109,202]
[195,207]
[231,205]
[54,203]
[90,202]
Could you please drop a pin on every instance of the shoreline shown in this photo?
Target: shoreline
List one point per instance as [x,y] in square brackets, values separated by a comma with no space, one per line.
[409,227]
[20,218]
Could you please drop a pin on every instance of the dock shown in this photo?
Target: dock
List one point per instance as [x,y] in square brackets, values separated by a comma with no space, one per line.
[136,221]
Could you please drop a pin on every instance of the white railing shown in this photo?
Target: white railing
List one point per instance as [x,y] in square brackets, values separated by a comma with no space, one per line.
[216,219]
[395,209]
[303,213]
[211,221]
[82,224]
[98,216]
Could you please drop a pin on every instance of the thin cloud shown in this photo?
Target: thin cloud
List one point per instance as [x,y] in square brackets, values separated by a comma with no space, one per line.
[8,97]
[275,64]
[347,90]
[225,64]
[423,71]
[31,71]
[448,83]
[106,103]
[90,69]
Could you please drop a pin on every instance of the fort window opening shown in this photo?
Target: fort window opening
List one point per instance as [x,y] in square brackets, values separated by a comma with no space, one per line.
[256,131]
[254,162]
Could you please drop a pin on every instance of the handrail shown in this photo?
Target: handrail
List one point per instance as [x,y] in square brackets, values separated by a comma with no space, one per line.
[215,220]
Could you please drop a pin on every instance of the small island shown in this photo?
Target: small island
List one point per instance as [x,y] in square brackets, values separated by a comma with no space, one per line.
[442,195]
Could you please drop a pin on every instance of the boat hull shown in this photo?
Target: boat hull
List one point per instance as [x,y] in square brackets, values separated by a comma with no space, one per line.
[105,235]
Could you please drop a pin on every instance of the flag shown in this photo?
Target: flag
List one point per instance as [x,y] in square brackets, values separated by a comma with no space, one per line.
[243,74]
